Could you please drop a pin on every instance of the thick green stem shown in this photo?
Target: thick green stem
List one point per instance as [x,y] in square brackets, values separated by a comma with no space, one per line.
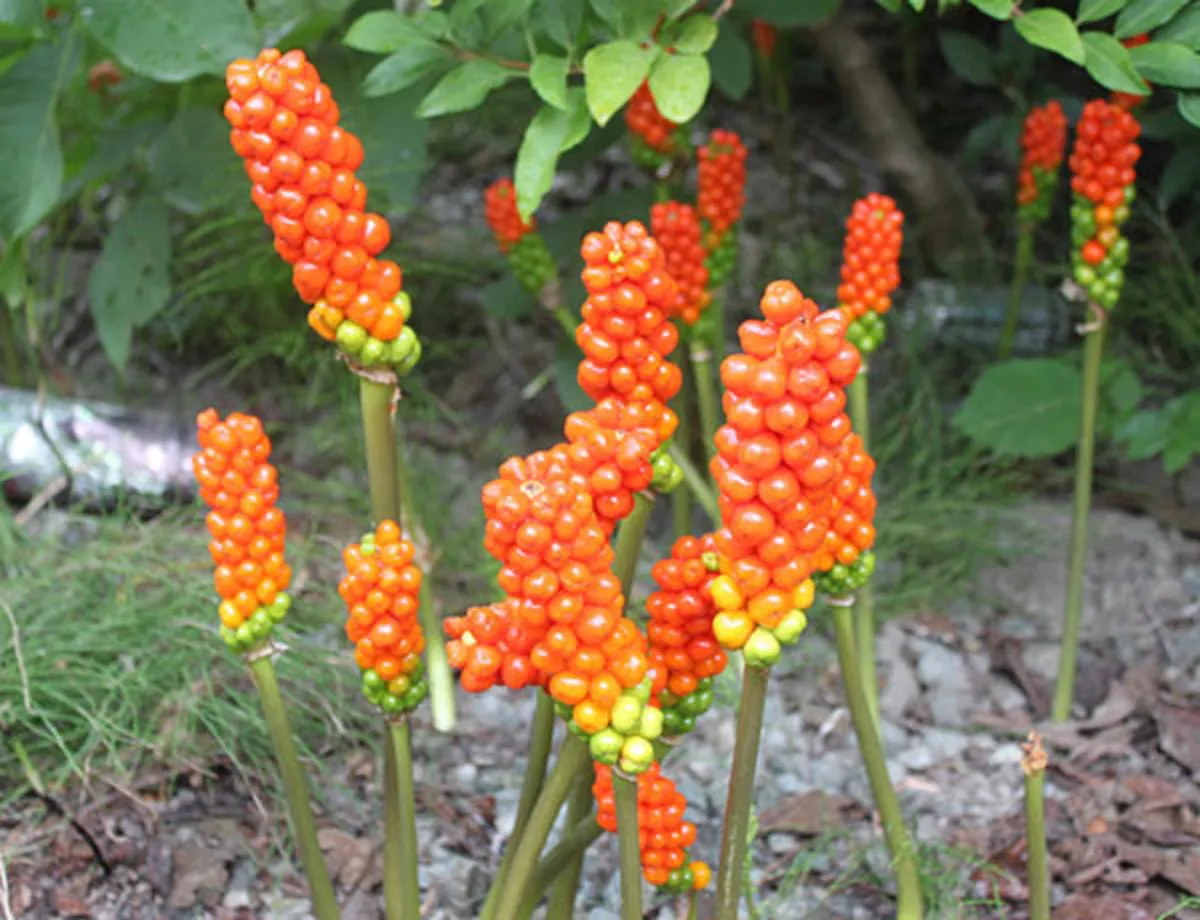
[625,791]
[574,843]
[566,320]
[629,541]
[908,880]
[697,484]
[1034,764]
[379,436]
[681,499]
[304,828]
[403,827]
[1016,295]
[573,759]
[741,792]
[1064,692]
[393,877]
[716,325]
[541,737]
[864,621]
[579,811]
[706,394]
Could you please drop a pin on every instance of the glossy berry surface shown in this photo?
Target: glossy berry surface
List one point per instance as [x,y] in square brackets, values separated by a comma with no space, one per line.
[676,227]
[1043,143]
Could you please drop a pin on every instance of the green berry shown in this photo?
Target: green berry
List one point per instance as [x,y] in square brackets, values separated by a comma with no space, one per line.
[625,715]
[605,746]
[761,649]
[350,337]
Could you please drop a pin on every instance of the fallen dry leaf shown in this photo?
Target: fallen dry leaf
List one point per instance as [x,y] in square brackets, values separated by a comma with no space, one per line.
[1080,906]
[1179,733]
[809,814]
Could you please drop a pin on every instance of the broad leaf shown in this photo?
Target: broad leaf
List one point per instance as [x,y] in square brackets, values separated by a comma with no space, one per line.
[546,138]
[612,72]
[1107,60]
[1023,408]
[1180,175]
[191,163]
[1183,29]
[1183,433]
[173,40]
[296,23]
[679,84]
[1189,107]
[969,58]
[1093,10]
[130,282]
[33,162]
[1143,15]
[1053,30]
[384,31]
[561,19]
[464,88]
[548,77]
[1145,433]
[508,298]
[997,9]
[1167,63]
[502,14]
[732,63]
[20,18]
[403,68]
[693,35]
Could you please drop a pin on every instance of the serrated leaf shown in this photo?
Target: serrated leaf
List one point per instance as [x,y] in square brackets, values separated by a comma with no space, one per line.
[1167,63]
[679,84]
[693,35]
[548,77]
[1143,15]
[1093,10]
[790,13]
[382,32]
[173,40]
[1183,29]
[190,163]
[1023,408]
[997,9]
[969,58]
[33,162]
[1189,107]
[612,72]
[732,63]
[545,140]
[464,88]
[403,68]
[130,282]
[1053,30]
[1107,60]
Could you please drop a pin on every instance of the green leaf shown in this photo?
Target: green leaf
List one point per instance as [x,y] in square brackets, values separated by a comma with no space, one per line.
[997,9]
[679,84]
[33,162]
[1167,63]
[732,63]
[969,58]
[508,299]
[548,77]
[1145,433]
[1053,30]
[1143,15]
[1179,176]
[694,35]
[130,282]
[1183,433]
[464,88]
[1093,10]
[1023,408]
[191,163]
[403,68]
[173,40]
[1189,107]
[115,147]
[612,72]
[636,19]
[20,18]
[561,19]
[297,23]
[545,140]
[384,31]
[892,6]
[673,9]
[502,14]
[789,12]
[1183,29]
[1107,60]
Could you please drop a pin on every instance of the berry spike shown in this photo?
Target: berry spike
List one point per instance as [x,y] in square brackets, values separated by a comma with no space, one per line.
[1043,142]
[302,167]
[654,137]
[523,247]
[238,484]
[677,228]
[845,561]
[870,268]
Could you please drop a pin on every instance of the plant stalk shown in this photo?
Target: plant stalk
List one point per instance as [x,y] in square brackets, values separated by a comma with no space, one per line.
[629,541]
[573,844]
[1034,765]
[541,737]
[864,614]
[625,791]
[1064,691]
[681,499]
[734,834]
[1016,295]
[573,758]
[379,437]
[706,394]
[579,814]
[304,827]
[407,855]
[908,880]
[697,484]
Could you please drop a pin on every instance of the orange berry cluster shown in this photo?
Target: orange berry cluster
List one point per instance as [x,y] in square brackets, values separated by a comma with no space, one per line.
[625,335]
[490,645]
[1102,176]
[381,591]
[654,136]
[663,834]
[1131,101]
[870,268]
[556,569]
[721,183]
[684,654]
[527,254]
[776,467]
[677,228]
[302,165]
[1043,141]
[239,485]
[844,562]
[764,37]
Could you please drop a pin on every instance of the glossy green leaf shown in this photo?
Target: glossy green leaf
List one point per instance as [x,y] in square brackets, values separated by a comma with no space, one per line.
[1107,60]
[500,15]
[1189,107]
[1184,29]
[970,59]
[1093,10]
[561,20]
[1145,15]
[997,9]
[612,72]
[1053,30]
[464,88]
[732,63]
[548,77]
[173,40]
[296,23]
[1183,433]
[1023,408]
[1167,63]
[694,35]
[20,18]
[545,140]
[401,69]
[33,162]
[130,282]
[384,31]
[192,164]
[679,84]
